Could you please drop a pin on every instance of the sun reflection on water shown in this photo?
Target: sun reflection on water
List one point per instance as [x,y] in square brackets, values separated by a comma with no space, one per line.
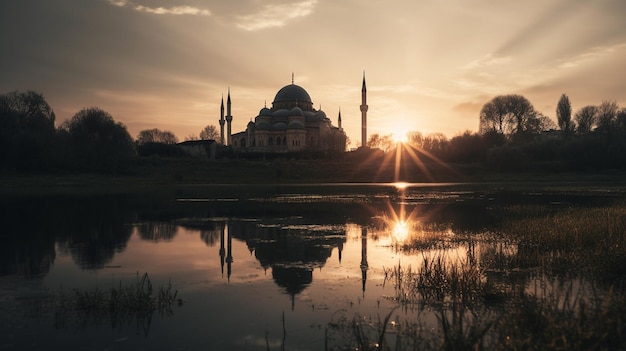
[400,231]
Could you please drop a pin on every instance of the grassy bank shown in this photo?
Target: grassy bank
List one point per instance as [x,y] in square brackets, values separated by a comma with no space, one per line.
[153,172]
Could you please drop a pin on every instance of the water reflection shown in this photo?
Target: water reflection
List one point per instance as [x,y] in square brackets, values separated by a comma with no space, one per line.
[309,251]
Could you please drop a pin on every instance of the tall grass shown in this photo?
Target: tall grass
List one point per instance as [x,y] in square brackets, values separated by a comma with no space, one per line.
[116,305]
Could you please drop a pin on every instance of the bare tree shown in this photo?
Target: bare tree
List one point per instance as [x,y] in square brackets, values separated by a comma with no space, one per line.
[508,115]
[564,115]
[156,136]
[191,137]
[209,133]
[606,115]
[586,119]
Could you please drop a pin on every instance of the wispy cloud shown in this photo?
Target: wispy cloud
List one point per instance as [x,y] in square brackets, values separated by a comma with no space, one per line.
[488,60]
[275,15]
[592,55]
[174,10]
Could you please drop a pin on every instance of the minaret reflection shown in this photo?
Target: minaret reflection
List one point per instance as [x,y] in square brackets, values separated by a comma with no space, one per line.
[229,255]
[364,264]
[222,249]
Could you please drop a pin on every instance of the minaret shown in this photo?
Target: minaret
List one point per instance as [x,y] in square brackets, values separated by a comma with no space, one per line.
[338,119]
[363,113]
[222,121]
[229,119]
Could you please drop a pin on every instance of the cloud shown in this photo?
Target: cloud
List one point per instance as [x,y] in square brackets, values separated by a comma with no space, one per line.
[275,15]
[174,10]
[592,55]
[488,60]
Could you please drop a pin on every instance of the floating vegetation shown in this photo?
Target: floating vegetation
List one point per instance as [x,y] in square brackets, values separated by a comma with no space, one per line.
[117,305]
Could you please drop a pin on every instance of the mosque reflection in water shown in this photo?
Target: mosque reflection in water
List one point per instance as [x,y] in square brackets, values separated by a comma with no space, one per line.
[291,252]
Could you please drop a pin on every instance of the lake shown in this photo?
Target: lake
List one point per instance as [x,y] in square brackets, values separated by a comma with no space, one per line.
[254,267]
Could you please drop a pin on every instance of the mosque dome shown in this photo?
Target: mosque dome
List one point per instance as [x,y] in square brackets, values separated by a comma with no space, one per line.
[279,126]
[292,92]
[297,111]
[295,125]
[265,112]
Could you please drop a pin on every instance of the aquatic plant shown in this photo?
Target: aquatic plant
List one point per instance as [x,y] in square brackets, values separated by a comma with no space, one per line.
[117,304]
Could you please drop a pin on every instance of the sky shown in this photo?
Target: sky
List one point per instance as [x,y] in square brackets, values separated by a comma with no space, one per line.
[430,65]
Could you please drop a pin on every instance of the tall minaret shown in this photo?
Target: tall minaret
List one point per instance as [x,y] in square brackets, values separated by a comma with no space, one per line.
[338,119]
[222,121]
[229,119]
[363,113]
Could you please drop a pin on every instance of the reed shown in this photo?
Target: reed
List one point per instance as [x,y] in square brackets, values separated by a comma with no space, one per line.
[117,304]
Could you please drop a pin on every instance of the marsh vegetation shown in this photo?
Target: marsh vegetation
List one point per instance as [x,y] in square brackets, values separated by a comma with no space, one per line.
[548,277]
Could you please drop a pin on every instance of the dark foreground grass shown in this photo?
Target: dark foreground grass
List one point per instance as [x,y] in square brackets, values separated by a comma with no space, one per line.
[548,279]
[117,306]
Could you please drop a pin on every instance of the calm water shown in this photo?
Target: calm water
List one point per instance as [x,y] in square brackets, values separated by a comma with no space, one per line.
[253,266]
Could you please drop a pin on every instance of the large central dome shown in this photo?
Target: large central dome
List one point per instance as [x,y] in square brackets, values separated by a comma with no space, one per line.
[291,93]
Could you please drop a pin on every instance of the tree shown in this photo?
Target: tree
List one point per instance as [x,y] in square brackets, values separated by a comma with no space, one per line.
[209,133]
[191,137]
[95,142]
[606,115]
[384,142]
[156,135]
[586,119]
[564,115]
[27,131]
[508,115]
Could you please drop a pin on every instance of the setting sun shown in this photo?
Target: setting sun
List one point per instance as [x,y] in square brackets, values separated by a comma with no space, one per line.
[399,137]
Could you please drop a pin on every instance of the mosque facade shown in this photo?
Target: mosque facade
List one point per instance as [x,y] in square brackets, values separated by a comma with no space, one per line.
[291,125]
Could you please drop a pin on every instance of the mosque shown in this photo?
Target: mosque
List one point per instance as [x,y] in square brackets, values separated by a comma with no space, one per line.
[292,124]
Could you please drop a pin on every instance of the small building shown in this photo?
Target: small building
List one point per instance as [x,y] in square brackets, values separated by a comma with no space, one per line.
[199,148]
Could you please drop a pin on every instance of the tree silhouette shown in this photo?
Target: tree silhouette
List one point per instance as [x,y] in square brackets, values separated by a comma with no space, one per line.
[96,142]
[209,133]
[156,135]
[508,115]
[26,131]
[607,115]
[564,115]
[586,119]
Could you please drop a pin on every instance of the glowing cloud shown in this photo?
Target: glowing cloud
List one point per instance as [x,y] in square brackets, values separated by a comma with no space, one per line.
[276,15]
[488,60]
[593,55]
[175,10]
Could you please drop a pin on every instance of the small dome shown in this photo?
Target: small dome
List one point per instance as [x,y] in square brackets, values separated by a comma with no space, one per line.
[279,126]
[263,126]
[297,111]
[292,92]
[295,125]
[265,112]
[321,115]
[281,113]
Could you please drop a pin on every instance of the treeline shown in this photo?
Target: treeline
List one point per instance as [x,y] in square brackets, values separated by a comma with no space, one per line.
[90,141]
[513,136]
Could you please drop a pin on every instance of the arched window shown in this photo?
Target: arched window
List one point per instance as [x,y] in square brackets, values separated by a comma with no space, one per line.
[243,142]
[270,141]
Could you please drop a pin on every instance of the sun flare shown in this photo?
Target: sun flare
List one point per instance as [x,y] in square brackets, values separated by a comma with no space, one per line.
[399,137]
[400,231]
